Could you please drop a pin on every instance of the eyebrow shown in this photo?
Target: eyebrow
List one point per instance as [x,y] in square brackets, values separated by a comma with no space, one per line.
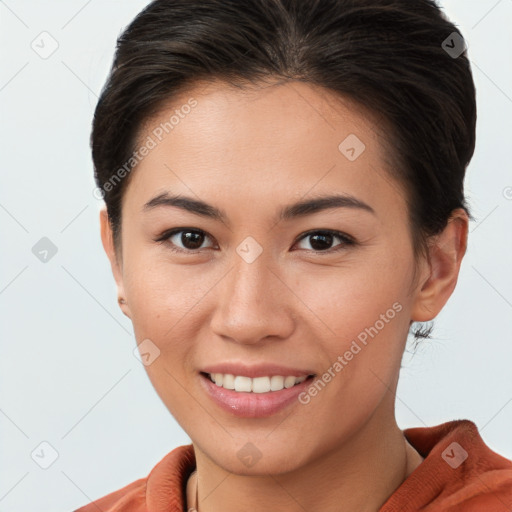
[299,209]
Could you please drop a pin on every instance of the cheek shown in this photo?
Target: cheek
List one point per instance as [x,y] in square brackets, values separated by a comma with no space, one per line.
[367,316]
[162,299]
[161,293]
[347,300]
[363,315]
[169,304]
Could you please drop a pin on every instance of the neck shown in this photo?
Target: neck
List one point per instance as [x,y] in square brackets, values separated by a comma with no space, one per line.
[360,474]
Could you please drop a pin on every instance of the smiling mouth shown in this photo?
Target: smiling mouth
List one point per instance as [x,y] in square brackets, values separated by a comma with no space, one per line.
[265,384]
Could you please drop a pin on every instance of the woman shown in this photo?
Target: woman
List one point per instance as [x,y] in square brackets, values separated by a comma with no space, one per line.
[283,182]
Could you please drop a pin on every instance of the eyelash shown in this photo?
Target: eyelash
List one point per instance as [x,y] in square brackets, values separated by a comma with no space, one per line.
[346,240]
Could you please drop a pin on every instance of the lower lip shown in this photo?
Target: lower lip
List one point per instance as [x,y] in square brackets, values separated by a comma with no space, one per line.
[253,405]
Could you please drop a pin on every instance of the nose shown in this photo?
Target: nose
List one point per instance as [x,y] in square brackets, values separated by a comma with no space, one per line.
[254,304]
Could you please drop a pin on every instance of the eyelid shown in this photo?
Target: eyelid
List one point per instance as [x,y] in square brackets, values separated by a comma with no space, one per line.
[343,236]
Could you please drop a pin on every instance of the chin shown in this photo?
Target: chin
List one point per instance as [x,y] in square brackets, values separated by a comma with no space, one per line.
[259,458]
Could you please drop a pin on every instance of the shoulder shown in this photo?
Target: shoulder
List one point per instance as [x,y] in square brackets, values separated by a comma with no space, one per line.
[131,497]
[163,487]
[459,472]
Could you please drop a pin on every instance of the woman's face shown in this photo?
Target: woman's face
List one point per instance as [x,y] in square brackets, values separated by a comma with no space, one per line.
[253,288]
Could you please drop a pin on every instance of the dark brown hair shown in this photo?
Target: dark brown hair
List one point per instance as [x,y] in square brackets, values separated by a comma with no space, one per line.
[399,59]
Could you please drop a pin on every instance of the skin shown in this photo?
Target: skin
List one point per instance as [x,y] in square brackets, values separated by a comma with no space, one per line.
[248,153]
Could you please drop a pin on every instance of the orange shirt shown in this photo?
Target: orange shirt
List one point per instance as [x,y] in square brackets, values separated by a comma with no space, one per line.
[460,473]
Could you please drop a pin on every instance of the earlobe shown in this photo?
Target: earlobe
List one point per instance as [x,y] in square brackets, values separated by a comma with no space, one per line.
[445,257]
[107,241]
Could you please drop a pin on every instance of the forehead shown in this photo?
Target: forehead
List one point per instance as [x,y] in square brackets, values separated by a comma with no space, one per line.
[282,138]
[291,110]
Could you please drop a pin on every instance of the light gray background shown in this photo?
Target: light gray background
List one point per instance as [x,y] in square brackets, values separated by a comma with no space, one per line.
[67,369]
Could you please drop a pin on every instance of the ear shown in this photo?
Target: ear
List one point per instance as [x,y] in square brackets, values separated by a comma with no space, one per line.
[107,240]
[441,271]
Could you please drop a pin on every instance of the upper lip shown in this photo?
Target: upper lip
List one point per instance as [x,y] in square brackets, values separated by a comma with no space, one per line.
[259,370]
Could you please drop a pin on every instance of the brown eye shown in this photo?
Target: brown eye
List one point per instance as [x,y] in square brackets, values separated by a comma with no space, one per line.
[322,240]
[184,239]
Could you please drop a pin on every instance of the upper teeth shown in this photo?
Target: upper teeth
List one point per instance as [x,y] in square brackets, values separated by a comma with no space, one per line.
[256,385]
